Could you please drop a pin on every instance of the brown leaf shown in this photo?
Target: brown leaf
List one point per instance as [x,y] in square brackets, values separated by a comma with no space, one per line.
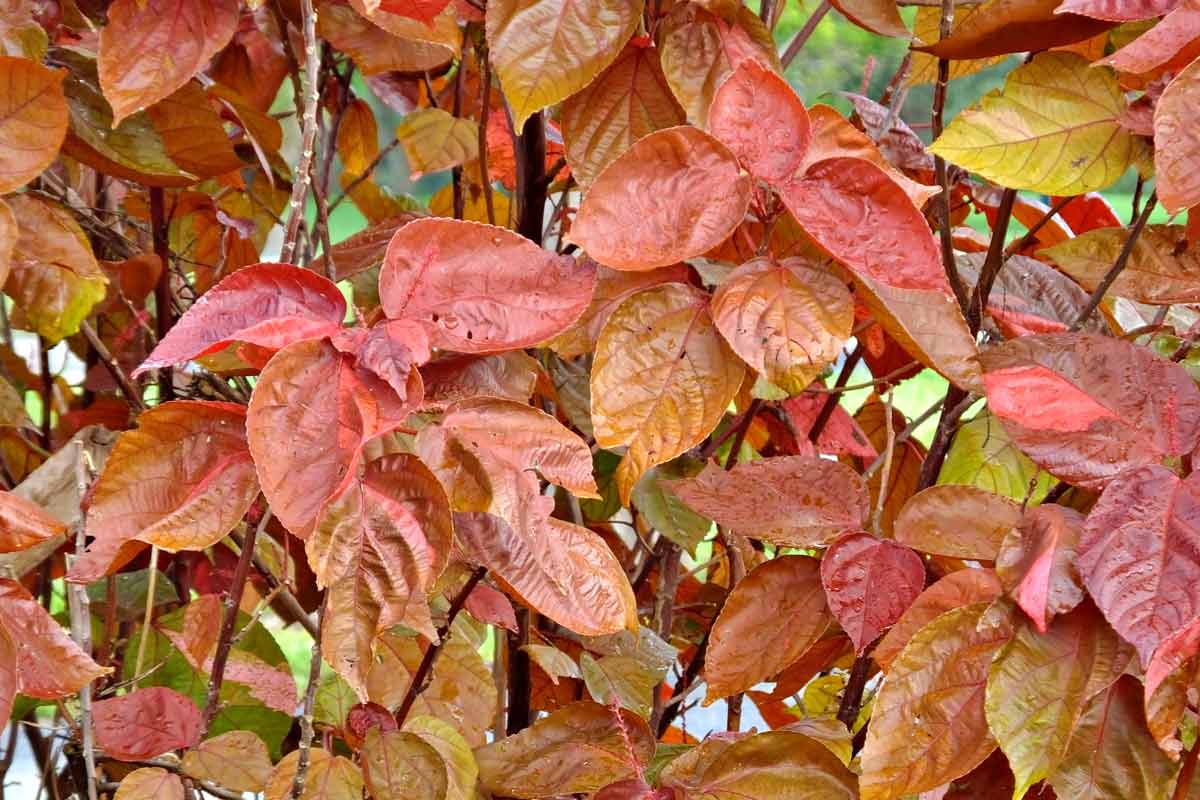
[150,48]
[1163,268]
[237,760]
[661,380]
[1030,296]
[788,320]
[33,120]
[146,723]
[454,378]
[580,748]
[1036,563]
[459,761]
[377,549]
[958,589]
[770,619]
[520,294]
[377,51]
[673,195]
[192,133]
[398,764]
[629,100]
[957,521]
[869,583]
[876,16]
[1076,404]
[150,783]
[1014,26]
[792,501]
[24,524]
[927,723]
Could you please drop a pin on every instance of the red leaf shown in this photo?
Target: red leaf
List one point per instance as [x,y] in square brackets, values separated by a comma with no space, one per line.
[481,289]
[1077,404]
[24,523]
[1037,563]
[391,350]
[841,434]
[869,583]
[1139,555]
[51,664]
[492,607]
[861,217]
[758,116]
[8,675]
[1117,10]
[1172,38]
[146,723]
[1175,141]
[268,305]
[424,10]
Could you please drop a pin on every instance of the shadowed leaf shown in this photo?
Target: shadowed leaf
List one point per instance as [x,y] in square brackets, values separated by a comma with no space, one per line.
[1036,563]
[401,764]
[237,760]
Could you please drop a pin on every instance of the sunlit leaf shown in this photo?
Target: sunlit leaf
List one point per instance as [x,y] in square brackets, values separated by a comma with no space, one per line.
[758,117]
[794,501]
[629,100]
[375,50]
[1054,128]
[1036,562]
[957,521]
[237,760]
[1076,404]
[150,48]
[772,616]
[580,748]
[869,583]
[788,320]
[546,50]
[33,120]
[983,455]
[673,195]
[661,380]
[519,293]
[928,725]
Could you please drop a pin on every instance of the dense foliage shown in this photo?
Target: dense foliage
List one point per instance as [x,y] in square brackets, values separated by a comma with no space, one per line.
[540,465]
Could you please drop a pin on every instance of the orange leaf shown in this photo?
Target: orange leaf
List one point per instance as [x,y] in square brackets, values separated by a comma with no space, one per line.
[33,120]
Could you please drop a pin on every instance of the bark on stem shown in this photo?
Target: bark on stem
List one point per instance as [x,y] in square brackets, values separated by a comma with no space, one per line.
[309,132]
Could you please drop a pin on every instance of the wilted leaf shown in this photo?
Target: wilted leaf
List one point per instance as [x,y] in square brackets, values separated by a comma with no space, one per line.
[661,380]
[50,665]
[401,764]
[1039,685]
[519,294]
[545,51]
[579,748]
[266,305]
[1162,269]
[1036,562]
[54,278]
[150,783]
[960,588]
[998,27]
[769,620]
[181,481]
[869,583]
[673,195]
[625,681]
[1076,404]
[145,723]
[150,48]
[237,760]
[629,100]
[760,118]
[376,549]
[33,120]
[435,140]
[24,524]
[1111,754]
[1054,128]
[777,764]
[788,320]
[792,501]
[957,521]
[1136,555]
[927,724]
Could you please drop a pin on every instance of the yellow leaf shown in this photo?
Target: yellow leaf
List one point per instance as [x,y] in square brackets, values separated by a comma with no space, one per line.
[1053,128]
[434,140]
[926,25]
[546,50]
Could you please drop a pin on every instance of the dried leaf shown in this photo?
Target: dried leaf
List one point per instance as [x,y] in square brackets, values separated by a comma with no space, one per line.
[457,758]
[876,16]
[998,27]
[150,783]
[1162,269]
[435,140]
[957,521]
[377,51]
[869,584]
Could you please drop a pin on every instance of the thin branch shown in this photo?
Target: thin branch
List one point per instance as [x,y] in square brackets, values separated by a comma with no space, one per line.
[81,624]
[1031,234]
[124,383]
[798,41]
[349,188]
[945,235]
[485,103]
[1183,785]
[902,437]
[954,406]
[1122,260]
[163,310]
[823,416]
[739,436]
[283,595]
[148,616]
[47,391]
[885,478]
[306,714]
[424,673]
[992,263]
[233,602]
[309,132]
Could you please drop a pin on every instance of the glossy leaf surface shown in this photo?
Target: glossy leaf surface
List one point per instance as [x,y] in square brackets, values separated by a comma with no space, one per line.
[1037,562]
[33,120]
[869,584]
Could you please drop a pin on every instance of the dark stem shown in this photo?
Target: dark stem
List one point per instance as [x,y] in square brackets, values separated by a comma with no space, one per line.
[955,405]
[421,678]
[992,263]
[306,715]
[1135,206]
[519,682]
[798,41]
[233,602]
[1183,786]
[739,435]
[937,124]
[1031,234]
[282,595]
[366,174]
[47,390]
[684,684]
[456,174]
[852,695]
[1122,260]
[531,188]
[162,291]
[124,383]
[831,401]
[664,607]
[485,102]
